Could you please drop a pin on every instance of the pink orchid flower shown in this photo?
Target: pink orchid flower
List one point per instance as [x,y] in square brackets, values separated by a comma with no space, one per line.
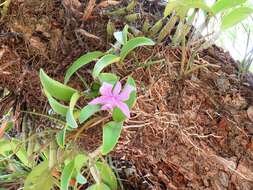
[112,97]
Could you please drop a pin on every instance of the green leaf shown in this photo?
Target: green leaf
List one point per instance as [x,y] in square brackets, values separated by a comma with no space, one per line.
[5,147]
[111,134]
[125,33]
[39,178]
[134,43]
[67,175]
[117,114]
[55,105]
[60,137]
[55,88]
[108,78]
[155,28]
[166,30]
[94,90]
[19,149]
[107,175]
[104,62]
[80,161]
[222,5]
[83,60]
[70,115]
[235,16]
[181,7]
[100,186]
[88,111]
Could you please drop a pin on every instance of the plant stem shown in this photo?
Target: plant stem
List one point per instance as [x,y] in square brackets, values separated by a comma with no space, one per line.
[183,57]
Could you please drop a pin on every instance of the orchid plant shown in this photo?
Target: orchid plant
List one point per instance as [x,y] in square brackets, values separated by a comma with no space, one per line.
[106,93]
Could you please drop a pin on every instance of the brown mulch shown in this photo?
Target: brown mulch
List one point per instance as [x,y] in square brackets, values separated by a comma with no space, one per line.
[192,133]
[189,134]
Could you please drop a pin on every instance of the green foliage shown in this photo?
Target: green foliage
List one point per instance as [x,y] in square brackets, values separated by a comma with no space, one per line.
[134,43]
[154,29]
[131,5]
[111,134]
[80,62]
[108,78]
[67,175]
[104,62]
[235,16]
[166,30]
[5,6]
[88,111]
[107,175]
[60,137]
[14,147]
[55,88]
[70,115]
[111,131]
[222,5]
[60,162]
[39,178]
[181,7]
[72,170]
[55,105]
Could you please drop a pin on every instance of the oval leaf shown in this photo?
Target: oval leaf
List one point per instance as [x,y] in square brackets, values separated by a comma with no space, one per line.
[183,6]
[60,137]
[67,174]
[111,134]
[55,105]
[107,175]
[19,149]
[39,178]
[104,62]
[125,33]
[80,161]
[108,78]
[55,88]
[222,5]
[88,111]
[70,115]
[83,60]
[235,16]
[134,43]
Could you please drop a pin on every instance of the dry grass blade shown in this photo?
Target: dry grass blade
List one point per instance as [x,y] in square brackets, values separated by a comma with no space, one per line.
[2,129]
[107,3]
[87,34]
[88,11]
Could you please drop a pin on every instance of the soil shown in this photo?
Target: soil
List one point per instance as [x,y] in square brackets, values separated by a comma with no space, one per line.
[194,132]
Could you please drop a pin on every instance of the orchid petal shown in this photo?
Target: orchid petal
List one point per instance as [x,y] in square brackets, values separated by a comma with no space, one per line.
[124,95]
[117,89]
[107,107]
[100,100]
[124,108]
[106,89]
